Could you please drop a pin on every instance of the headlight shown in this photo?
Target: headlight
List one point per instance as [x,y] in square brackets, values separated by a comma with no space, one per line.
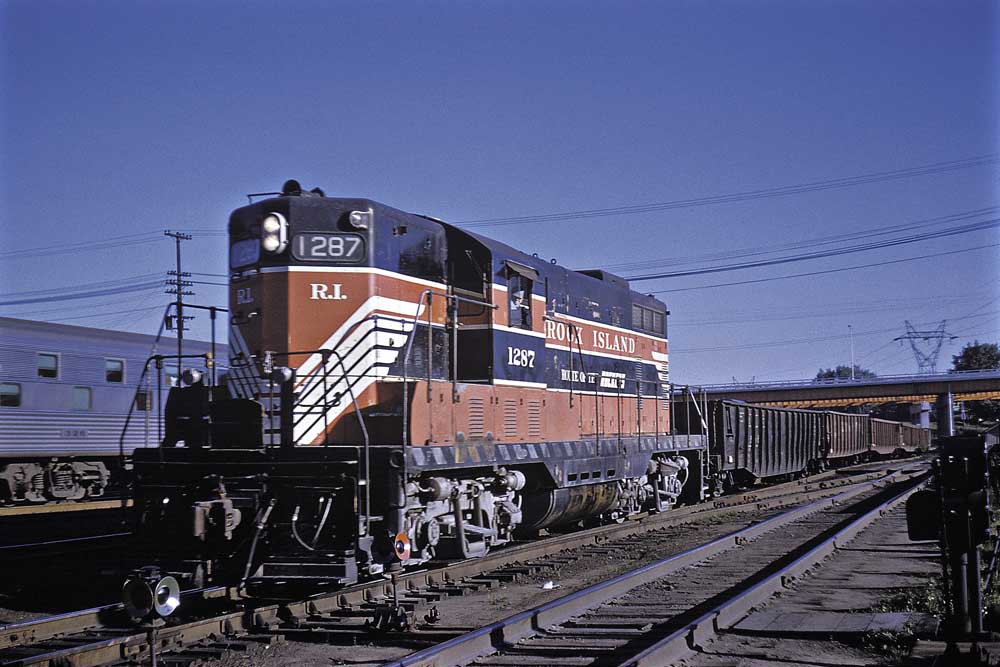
[272,224]
[274,233]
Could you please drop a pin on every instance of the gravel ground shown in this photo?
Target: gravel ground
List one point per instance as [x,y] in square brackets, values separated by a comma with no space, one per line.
[487,606]
[881,570]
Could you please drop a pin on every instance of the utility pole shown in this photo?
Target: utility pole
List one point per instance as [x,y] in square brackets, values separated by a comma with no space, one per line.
[178,285]
[850,331]
[926,361]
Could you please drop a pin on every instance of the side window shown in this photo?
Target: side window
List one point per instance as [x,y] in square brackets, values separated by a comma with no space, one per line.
[519,299]
[48,365]
[114,370]
[82,398]
[10,395]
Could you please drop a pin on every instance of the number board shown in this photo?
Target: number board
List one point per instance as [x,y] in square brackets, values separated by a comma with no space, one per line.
[319,247]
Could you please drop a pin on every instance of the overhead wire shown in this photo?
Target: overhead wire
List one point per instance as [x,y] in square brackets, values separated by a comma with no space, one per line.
[831,310]
[823,254]
[141,287]
[827,271]
[813,186]
[807,243]
[105,314]
[82,286]
[110,242]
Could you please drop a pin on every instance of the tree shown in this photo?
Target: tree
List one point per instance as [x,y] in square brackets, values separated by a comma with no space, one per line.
[841,372]
[978,356]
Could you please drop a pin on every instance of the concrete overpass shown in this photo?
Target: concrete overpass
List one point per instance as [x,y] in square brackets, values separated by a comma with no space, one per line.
[920,390]
[962,385]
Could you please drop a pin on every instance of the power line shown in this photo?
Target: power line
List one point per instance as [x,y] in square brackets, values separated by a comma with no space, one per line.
[791,341]
[850,181]
[115,282]
[954,231]
[71,308]
[818,273]
[111,242]
[141,287]
[828,312]
[808,243]
[114,312]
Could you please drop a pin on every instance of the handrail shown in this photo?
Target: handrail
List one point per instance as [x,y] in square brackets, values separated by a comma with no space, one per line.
[142,376]
[428,294]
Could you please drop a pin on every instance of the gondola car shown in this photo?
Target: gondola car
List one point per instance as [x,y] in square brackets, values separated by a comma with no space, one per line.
[914,439]
[411,390]
[847,436]
[749,443]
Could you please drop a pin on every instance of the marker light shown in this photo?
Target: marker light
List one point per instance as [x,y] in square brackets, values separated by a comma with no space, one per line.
[360,219]
[274,233]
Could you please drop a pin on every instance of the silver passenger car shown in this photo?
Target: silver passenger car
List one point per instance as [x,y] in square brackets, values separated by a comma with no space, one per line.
[65,392]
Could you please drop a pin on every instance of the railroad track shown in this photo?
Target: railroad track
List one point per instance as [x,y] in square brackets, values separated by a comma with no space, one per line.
[103,636]
[660,613]
[37,533]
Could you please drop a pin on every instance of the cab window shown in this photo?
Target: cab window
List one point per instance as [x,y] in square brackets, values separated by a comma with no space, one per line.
[519,300]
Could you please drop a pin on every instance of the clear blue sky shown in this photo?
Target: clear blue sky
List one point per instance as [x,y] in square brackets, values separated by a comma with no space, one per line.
[122,118]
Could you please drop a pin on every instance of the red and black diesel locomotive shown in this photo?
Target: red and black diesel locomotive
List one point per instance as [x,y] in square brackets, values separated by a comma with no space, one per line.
[401,389]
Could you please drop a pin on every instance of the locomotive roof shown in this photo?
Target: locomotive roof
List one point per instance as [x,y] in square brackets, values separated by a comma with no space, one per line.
[84,333]
[503,251]
[579,279]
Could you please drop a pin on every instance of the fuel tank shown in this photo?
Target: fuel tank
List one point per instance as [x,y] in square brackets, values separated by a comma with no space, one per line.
[553,507]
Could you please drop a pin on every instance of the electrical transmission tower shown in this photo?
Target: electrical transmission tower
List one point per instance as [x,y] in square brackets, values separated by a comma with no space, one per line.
[931,340]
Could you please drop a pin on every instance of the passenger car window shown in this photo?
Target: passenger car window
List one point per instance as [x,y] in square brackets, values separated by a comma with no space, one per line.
[48,365]
[81,398]
[10,395]
[114,370]
[144,401]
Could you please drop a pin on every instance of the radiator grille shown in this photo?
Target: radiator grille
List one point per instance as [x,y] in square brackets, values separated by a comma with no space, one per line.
[535,419]
[510,419]
[477,418]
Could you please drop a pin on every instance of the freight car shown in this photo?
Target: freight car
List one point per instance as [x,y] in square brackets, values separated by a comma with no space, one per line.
[748,442]
[411,390]
[64,394]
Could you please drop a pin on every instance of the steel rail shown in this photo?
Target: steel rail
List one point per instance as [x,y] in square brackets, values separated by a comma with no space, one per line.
[66,542]
[488,639]
[132,641]
[686,640]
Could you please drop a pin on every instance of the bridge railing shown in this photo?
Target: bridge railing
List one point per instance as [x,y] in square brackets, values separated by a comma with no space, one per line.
[881,379]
